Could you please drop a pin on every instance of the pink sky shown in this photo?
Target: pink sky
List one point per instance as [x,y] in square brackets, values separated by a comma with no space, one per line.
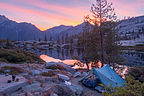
[48,13]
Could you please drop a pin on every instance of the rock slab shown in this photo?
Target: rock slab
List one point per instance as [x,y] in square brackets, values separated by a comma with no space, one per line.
[35,87]
[63,77]
[77,74]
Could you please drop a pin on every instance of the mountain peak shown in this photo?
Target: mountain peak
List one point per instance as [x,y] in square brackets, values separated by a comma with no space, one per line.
[63,26]
[3,18]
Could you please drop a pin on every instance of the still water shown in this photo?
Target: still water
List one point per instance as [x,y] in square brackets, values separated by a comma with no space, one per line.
[132,57]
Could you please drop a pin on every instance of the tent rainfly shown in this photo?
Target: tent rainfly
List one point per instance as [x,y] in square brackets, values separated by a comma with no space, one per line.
[108,77]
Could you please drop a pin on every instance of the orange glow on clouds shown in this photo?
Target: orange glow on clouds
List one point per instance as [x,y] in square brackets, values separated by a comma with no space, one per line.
[42,19]
[48,13]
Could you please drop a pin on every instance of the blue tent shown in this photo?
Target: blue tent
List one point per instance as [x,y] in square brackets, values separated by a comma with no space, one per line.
[108,77]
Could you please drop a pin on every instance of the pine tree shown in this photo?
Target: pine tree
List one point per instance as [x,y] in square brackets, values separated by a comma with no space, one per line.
[34,39]
[95,43]
[50,38]
[88,40]
[45,39]
[7,42]
[39,39]
[62,39]
[71,40]
[112,46]
[66,38]
[102,12]
[58,40]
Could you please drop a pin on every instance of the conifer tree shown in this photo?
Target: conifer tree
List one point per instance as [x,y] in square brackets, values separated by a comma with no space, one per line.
[62,39]
[58,40]
[102,12]
[112,46]
[50,39]
[66,38]
[71,40]
[45,39]
[100,41]
[88,40]
[39,39]
[7,42]
[34,38]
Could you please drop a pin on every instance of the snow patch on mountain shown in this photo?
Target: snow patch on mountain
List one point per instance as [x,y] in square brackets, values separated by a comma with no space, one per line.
[132,31]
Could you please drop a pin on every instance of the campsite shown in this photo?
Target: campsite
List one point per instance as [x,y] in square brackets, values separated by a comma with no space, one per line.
[71,48]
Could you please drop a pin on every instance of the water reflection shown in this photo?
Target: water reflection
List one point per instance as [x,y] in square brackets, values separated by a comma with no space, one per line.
[62,54]
[68,61]
[131,57]
[49,59]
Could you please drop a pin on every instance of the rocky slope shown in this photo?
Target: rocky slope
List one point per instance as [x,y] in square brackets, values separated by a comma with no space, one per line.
[132,31]
[17,31]
[52,79]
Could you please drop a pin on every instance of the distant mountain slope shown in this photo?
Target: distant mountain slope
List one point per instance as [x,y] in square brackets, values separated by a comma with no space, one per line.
[131,30]
[74,30]
[17,31]
[55,31]
[26,31]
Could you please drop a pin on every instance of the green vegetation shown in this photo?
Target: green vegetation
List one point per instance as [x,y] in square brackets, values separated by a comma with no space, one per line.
[137,73]
[134,84]
[56,66]
[140,45]
[19,56]
[12,70]
[100,41]
[2,41]
[101,18]
[131,88]
[49,74]
[3,60]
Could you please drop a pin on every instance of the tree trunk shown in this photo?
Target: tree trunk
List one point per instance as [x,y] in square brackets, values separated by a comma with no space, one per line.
[102,50]
[101,35]
[113,66]
[87,66]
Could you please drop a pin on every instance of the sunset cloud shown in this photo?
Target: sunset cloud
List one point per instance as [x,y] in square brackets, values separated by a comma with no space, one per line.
[48,13]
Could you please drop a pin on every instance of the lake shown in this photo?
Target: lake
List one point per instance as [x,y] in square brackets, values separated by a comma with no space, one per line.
[132,57]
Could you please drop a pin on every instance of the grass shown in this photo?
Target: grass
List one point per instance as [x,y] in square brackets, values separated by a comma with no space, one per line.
[13,70]
[19,56]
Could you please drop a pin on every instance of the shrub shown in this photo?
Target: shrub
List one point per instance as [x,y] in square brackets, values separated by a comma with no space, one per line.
[137,73]
[19,56]
[12,56]
[56,66]
[49,74]
[3,60]
[131,88]
[13,70]
[32,57]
